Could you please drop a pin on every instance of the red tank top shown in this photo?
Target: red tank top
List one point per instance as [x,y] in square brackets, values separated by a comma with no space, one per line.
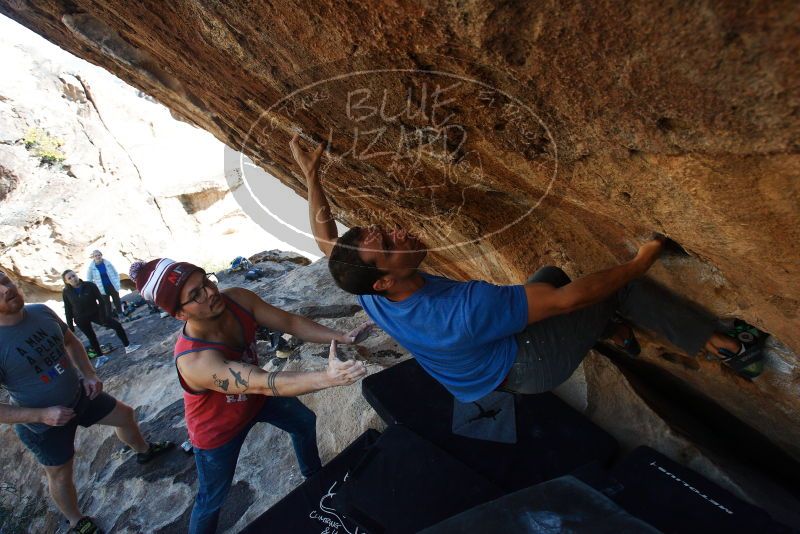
[215,418]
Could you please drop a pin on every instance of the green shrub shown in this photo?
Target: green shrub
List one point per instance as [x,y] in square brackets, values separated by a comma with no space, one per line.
[44,146]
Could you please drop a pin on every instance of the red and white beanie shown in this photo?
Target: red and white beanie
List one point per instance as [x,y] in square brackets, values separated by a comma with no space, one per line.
[161,280]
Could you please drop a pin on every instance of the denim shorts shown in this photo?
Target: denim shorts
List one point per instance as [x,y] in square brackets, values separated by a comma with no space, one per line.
[56,445]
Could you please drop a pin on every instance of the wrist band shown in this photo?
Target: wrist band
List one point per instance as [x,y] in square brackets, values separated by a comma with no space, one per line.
[271,382]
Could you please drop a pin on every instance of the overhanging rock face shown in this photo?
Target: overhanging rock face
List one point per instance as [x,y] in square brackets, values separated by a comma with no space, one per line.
[513,136]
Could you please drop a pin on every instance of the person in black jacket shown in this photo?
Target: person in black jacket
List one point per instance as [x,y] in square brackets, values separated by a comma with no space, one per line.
[84,305]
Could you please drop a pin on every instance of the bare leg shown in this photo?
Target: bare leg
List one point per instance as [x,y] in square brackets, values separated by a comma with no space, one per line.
[126,427]
[62,490]
[721,341]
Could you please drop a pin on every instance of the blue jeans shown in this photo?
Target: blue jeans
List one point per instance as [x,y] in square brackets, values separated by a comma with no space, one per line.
[215,467]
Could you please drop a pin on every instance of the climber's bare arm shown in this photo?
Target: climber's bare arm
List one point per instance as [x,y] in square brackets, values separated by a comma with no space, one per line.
[279,320]
[323,225]
[209,370]
[546,301]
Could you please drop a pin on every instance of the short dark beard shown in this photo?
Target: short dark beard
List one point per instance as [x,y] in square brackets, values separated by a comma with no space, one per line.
[21,306]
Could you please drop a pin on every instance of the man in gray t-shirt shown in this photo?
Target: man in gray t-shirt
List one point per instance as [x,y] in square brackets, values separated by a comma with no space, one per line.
[53,389]
[34,366]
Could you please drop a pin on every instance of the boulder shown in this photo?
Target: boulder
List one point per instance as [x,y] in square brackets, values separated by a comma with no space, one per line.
[510,136]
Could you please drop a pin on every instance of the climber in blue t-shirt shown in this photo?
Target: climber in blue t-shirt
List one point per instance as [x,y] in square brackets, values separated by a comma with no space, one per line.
[455,332]
[474,337]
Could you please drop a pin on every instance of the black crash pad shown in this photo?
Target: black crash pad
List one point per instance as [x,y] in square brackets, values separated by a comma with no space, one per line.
[309,508]
[676,499]
[552,438]
[564,504]
[404,484]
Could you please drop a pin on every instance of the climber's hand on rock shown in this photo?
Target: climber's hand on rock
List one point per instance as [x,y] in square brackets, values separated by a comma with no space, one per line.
[649,252]
[308,161]
[343,373]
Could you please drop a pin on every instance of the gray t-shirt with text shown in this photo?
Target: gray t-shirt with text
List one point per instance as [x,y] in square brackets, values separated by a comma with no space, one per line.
[34,366]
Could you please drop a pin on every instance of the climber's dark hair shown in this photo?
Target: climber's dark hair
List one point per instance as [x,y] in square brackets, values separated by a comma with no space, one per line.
[349,271]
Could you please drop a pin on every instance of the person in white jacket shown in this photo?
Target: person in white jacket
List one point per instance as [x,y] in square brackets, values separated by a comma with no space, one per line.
[103,274]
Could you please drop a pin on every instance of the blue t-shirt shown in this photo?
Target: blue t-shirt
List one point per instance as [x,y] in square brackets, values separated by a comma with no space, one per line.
[101,268]
[461,333]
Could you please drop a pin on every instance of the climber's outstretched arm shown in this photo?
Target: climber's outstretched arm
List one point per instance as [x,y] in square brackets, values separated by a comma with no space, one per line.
[546,301]
[323,225]
[209,370]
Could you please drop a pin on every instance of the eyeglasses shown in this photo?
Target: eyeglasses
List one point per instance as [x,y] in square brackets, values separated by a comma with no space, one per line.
[199,294]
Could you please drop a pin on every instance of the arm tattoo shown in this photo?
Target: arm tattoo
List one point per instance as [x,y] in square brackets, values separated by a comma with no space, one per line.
[238,378]
[248,379]
[222,384]
[271,383]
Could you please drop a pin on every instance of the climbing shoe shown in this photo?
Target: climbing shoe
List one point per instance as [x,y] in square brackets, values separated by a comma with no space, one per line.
[155,449]
[86,525]
[749,361]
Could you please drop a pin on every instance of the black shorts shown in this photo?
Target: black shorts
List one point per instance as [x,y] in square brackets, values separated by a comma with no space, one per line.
[56,445]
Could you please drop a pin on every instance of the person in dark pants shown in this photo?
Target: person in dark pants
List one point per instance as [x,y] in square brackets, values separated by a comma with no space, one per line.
[84,305]
[551,349]
[102,273]
[225,392]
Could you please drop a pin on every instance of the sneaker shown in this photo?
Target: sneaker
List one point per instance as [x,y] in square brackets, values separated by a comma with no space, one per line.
[86,525]
[131,348]
[164,314]
[749,360]
[155,449]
